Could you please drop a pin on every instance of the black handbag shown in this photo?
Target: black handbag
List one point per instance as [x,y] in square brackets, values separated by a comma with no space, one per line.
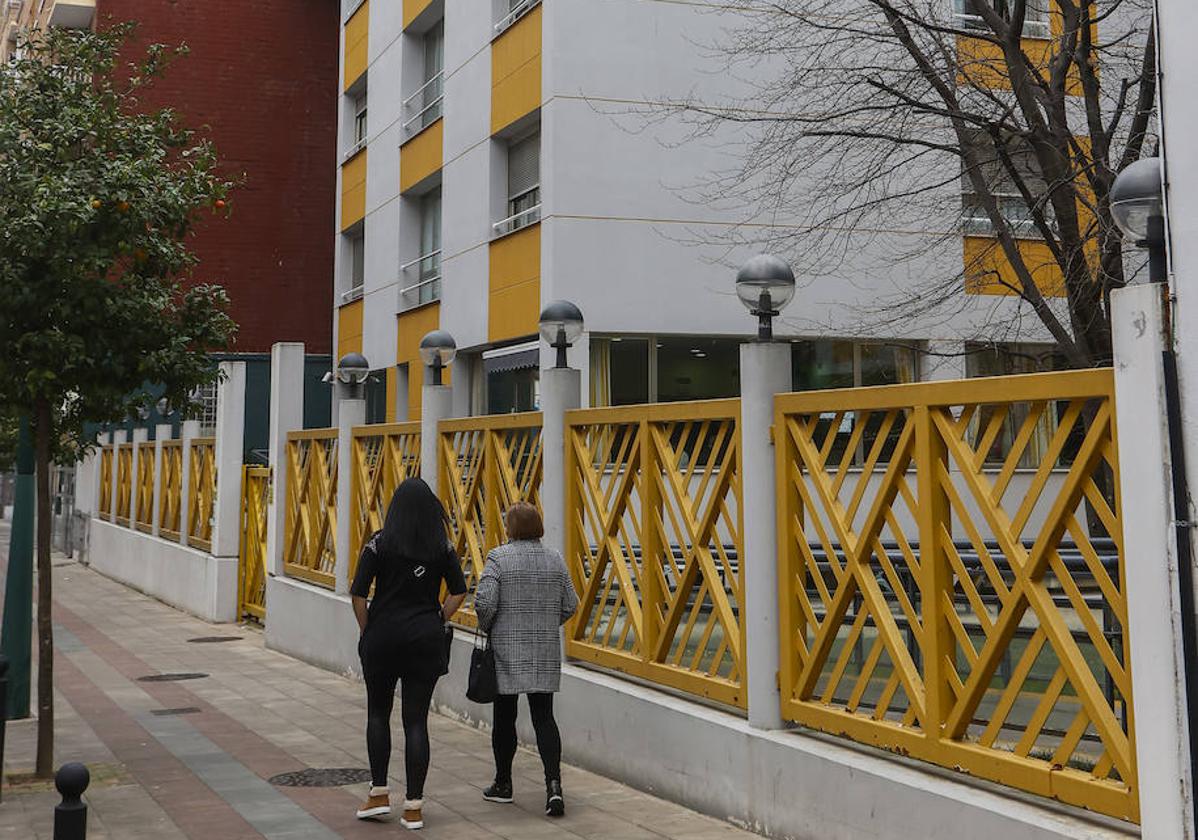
[482,685]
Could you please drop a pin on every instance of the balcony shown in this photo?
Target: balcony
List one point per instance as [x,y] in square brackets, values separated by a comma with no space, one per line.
[426,271]
[429,98]
[73,14]
[350,295]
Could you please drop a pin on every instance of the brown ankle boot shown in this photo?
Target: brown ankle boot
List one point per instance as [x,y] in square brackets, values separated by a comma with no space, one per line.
[377,805]
[412,817]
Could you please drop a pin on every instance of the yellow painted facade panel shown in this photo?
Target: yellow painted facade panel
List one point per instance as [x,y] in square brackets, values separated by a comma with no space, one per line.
[411,326]
[353,190]
[349,328]
[516,71]
[514,304]
[412,10]
[989,272]
[357,42]
[421,156]
[392,386]
[981,63]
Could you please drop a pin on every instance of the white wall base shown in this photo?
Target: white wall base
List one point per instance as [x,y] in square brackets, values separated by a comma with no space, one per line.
[788,784]
[312,624]
[187,578]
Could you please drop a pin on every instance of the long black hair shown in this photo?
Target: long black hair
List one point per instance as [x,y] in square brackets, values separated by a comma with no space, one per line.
[416,526]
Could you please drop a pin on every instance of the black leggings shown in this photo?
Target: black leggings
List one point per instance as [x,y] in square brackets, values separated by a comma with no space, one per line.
[503,735]
[414,703]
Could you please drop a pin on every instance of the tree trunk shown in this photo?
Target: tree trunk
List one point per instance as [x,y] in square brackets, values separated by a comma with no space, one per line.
[45,627]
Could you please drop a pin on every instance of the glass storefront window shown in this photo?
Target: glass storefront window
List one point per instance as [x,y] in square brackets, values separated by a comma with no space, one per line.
[829,363]
[1013,359]
[376,397]
[510,391]
[691,368]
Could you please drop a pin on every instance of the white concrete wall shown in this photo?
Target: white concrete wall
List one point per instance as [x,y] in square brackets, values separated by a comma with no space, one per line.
[782,784]
[187,578]
[311,624]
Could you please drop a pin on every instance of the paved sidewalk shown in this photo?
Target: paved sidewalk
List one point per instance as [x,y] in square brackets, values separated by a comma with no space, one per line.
[201,770]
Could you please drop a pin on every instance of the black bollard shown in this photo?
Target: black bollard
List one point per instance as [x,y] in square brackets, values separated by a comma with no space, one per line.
[70,815]
[3,715]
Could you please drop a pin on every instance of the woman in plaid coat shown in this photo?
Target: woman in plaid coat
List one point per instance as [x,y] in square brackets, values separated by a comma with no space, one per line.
[523,598]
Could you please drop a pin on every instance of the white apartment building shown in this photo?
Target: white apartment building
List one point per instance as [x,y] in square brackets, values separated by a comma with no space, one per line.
[495,159]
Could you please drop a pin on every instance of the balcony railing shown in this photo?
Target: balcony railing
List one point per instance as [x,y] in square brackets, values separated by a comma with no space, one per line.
[516,221]
[518,11]
[432,94]
[976,222]
[353,150]
[353,294]
[427,271]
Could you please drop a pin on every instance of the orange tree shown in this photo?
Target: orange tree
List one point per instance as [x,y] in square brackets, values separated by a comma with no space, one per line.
[97,198]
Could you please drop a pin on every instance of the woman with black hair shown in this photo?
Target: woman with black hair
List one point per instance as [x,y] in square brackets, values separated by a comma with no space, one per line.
[403,635]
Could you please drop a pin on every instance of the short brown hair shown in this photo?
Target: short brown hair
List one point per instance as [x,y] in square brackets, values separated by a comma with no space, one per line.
[523,522]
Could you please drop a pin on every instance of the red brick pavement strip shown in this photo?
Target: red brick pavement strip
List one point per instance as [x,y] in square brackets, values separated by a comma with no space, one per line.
[190,803]
[332,806]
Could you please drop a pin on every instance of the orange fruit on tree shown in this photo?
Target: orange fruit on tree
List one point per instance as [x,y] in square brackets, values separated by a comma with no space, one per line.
[97,204]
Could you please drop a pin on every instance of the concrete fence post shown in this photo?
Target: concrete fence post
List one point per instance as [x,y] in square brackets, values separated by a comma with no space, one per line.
[351,411]
[436,405]
[191,431]
[286,415]
[765,370]
[140,436]
[162,432]
[1153,607]
[561,391]
[230,437]
[118,437]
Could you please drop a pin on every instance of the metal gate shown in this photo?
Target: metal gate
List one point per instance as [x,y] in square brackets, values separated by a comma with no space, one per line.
[255,494]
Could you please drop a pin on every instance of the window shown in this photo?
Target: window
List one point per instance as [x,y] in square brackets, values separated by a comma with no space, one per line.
[359,134]
[1009,360]
[980,146]
[426,269]
[523,184]
[425,104]
[357,266]
[1035,18]
[434,66]
[376,397]
[817,365]
[631,371]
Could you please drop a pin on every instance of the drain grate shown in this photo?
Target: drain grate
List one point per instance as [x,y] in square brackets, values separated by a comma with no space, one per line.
[212,640]
[184,710]
[171,677]
[318,777]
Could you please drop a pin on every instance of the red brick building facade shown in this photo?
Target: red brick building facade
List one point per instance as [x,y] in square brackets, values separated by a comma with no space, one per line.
[261,78]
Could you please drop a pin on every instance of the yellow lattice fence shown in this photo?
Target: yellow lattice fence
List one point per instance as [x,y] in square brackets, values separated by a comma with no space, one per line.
[383,457]
[255,496]
[486,465]
[309,548]
[201,492]
[145,486]
[124,482]
[653,541]
[944,600]
[172,489]
[106,457]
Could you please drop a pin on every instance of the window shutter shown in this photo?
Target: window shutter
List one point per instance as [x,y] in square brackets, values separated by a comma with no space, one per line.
[524,165]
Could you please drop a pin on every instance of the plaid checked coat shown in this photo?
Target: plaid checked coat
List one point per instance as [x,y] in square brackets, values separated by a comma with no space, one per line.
[523,598]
